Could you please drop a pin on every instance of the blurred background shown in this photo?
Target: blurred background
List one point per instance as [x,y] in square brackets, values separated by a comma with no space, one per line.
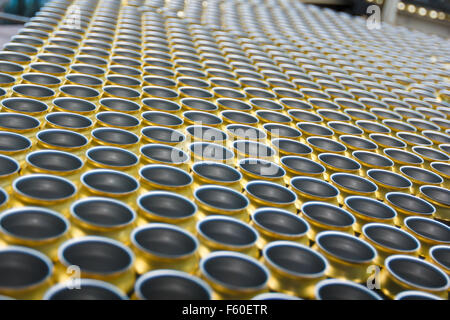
[429,16]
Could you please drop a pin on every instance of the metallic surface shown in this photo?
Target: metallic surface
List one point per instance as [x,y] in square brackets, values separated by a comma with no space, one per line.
[222,149]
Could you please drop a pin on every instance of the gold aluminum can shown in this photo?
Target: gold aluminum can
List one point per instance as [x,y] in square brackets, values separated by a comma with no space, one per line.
[75,105]
[34,92]
[9,171]
[69,121]
[275,224]
[162,154]
[109,183]
[388,181]
[294,268]
[403,272]
[62,140]
[164,246]
[335,163]
[89,289]
[268,194]
[115,137]
[300,166]
[348,256]
[259,169]
[34,267]
[369,210]
[350,185]
[165,284]
[43,190]
[420,177]
[290,147]
[234,275]
[163,135]
[102,217]
[97,258]
[37,228]
[402,158]
[322,216]
[31,107]
[216,233]
[438,256]
[213,200]
[335,289]
[372,160]
[312,189]
[428,231]
[430,155]
[389,240]
[53,162]
[438,197]
[165,177]
[112,158]
[20,123]
[206,172]
[166,207]
[408,205]
[119,120]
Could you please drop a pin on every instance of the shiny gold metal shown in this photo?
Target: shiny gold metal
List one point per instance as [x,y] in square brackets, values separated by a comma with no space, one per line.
[109,183]
[389,240]
[212,200]
[322,216]
[4,199]
[416,295]
[37,228]
[117,120]
[53,162]
[366,210]
[428,231]
[294,268]
[408,205]
[89,289]
[402,158]
[430,155]
[268,194]
[348,256]
[20,123]
[275,224]
[102,217]
[9,171]
[217,233]
[388,181]
[216,173]
[332,289]
[62,140]
[403,272]
[438,256]
[30,107]
[439,198]
[75,105]
[234,275]
[298,166]
[27,273]
[97,258]
[164,246]
[112,158]
[420,177]
[335,163]
[69,121]
[43,190]
[166,284]
[350,185]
